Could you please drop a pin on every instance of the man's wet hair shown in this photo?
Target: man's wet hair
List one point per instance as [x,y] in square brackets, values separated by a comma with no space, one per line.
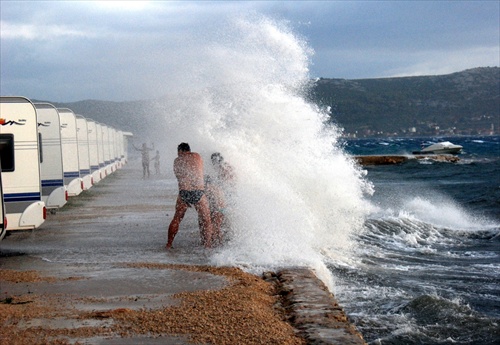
[216,157]
[184,147]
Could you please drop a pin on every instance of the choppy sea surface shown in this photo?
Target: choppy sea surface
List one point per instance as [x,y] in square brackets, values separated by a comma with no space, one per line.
[426,267]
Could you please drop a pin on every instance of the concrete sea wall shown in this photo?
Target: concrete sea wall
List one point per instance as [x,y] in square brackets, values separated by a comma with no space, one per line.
[313,310]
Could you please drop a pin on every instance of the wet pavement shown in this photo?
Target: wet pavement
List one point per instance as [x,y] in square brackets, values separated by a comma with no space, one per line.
[96,252]
[89,244]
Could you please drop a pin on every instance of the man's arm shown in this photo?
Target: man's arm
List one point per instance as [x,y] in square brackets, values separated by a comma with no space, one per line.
[177,168]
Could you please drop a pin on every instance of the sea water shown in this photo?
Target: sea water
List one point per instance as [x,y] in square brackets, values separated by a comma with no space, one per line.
[411,251]
[427,265]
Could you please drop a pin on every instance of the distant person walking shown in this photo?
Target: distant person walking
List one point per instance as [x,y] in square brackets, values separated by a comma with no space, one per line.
[188,169]
[145,159]
[156,159]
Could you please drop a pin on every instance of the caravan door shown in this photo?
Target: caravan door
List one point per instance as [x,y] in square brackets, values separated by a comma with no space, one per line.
[3,218]
[20,158]
[93,151]
[51,167]
[69,145]
[82,134]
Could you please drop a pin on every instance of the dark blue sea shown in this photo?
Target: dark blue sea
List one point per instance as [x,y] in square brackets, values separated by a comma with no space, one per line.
[426,268]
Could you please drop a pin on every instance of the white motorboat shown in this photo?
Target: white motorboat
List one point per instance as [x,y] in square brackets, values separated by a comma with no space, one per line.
[444,147]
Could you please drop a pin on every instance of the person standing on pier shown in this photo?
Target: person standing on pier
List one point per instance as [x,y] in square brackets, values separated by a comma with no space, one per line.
[145,159]
[156,159]
[188,169]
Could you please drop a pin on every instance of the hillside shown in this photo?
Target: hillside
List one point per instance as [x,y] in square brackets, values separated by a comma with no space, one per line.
[466,102]
[461,103]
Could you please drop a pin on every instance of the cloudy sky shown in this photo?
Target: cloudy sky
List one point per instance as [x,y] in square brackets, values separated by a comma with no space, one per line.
[127,50]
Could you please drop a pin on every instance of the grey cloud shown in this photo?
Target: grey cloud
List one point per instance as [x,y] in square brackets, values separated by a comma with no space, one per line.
[147,50]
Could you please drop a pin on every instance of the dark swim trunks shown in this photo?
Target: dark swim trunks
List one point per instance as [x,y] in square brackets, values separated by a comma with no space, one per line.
[191,197]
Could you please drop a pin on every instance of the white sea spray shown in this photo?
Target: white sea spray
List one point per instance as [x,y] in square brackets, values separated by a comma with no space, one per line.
[298,196]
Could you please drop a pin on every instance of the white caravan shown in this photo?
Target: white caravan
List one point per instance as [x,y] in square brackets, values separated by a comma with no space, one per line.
[93,150]
[100,149]
[82,134]
[111,137]
[107,149]
[119,152]
[69,144]
[114,148]
[112,157]
[20,159]
[51,166]
[120,149]
[116,156]
[125,140]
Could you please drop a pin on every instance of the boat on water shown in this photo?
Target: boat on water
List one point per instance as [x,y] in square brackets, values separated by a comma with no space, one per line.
[444,147]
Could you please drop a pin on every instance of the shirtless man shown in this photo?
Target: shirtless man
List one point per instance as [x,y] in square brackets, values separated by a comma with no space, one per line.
[188,168]
[145,159]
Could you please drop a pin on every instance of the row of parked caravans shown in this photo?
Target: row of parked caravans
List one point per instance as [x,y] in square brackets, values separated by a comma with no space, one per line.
[48,154]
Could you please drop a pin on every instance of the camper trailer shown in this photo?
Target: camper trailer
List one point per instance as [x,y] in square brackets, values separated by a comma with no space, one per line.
[125,141]
[112,157]
[20,159]
[69,145]
[93,150]
[119,152]
[51,167]
[114,149]
[116,156]
[82,134]
[100,150]
[120,149]
[107,150]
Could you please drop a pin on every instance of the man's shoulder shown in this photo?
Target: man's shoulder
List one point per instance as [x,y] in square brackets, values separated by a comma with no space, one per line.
[193,156]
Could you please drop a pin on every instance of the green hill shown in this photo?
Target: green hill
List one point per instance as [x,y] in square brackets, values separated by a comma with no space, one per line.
[466,102]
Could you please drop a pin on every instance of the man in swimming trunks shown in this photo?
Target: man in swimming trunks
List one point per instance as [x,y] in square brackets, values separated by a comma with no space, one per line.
[145,159]
[188,168]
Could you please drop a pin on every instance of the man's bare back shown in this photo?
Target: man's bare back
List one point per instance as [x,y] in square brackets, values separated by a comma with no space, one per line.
[188,168]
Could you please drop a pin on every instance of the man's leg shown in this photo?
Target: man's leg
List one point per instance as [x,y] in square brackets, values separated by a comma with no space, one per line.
[204,221]
[217,219]
[180,211]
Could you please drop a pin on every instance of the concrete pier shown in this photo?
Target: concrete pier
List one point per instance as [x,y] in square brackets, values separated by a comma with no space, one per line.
[399,159]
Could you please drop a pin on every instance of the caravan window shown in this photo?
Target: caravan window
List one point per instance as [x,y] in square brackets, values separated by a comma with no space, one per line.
[7,152]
